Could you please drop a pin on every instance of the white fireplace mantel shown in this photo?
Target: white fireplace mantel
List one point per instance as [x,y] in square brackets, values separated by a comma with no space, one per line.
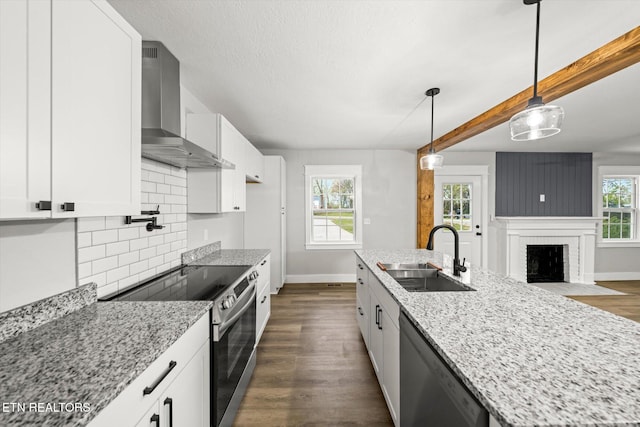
[577,234]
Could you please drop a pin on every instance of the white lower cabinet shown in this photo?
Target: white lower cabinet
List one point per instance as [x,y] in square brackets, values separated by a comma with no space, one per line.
[172,391]
[263,296]
[381,332]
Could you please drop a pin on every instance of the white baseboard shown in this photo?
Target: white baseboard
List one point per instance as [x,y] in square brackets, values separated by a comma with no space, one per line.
[320,278]
[628,275]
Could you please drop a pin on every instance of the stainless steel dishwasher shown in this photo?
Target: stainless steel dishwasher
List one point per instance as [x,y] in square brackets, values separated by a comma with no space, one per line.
[430,393]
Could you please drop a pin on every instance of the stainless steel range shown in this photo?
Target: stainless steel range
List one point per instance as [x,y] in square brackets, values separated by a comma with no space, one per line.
[233,324]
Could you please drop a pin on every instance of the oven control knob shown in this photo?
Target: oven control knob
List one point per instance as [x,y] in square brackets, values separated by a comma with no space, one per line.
[228,302]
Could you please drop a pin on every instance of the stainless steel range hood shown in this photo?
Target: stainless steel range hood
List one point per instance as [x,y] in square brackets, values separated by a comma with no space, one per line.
[161,140]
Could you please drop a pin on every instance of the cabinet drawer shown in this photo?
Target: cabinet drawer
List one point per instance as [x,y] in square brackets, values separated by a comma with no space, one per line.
[264,273]
[362,314]
[384,297]
[131,404]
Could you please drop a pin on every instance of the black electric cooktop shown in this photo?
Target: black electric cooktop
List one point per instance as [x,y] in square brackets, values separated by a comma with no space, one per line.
[187,283]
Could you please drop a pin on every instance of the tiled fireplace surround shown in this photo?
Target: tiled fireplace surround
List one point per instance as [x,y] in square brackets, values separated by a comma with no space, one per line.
[576,234]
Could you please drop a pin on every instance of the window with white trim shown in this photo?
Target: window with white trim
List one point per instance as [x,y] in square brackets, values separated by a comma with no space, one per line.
[333,197]
[618,206]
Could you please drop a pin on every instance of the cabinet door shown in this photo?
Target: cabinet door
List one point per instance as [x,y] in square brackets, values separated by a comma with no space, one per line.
[25,108]
[186,400]
[391,368]
[96,85]
[363,320]
[376,343]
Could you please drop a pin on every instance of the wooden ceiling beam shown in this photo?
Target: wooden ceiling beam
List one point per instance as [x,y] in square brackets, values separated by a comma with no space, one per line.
[602,62]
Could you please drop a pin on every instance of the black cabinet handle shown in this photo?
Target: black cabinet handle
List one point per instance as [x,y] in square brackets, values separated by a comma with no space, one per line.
[360,267]
[478,234]
[155,418]
[149,390]
[360,311]
[377,316]
[264,298]
[68,206]
[380,318]
[169,401]
[43,205]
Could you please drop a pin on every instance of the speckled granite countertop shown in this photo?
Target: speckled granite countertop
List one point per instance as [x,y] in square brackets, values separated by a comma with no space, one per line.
[532,358]
[88,356]
[233,257]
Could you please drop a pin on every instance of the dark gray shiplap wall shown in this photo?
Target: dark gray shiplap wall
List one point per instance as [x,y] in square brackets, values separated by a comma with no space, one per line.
[564,179]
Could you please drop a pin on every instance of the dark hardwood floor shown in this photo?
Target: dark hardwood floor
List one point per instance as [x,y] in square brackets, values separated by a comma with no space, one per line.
[313,368]
[623,305]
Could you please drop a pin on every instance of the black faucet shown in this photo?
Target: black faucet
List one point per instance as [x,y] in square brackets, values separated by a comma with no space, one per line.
[457,266]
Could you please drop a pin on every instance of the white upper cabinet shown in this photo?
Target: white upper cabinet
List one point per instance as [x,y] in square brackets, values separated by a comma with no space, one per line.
[255,164]
[73,68]
[25,107]
[217,190]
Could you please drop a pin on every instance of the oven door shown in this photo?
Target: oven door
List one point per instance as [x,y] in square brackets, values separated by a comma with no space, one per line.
[233,348]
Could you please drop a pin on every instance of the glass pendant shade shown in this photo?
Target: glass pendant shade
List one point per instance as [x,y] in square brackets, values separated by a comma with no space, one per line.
[431,161]
[536,122]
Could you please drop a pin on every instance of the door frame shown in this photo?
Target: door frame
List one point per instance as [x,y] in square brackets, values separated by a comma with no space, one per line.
[483,172]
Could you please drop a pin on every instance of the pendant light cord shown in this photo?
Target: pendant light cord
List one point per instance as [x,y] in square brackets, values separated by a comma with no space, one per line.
[431,150]
[535,69]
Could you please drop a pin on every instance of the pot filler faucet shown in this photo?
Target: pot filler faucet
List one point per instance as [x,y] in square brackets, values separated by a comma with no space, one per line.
[457,266]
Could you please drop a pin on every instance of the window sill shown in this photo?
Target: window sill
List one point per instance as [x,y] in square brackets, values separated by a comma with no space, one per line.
[619,244]
[332,246]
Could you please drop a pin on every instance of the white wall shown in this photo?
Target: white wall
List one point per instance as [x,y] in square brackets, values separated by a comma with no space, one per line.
[227,228]
[614,263]
[389,201]
[37,260]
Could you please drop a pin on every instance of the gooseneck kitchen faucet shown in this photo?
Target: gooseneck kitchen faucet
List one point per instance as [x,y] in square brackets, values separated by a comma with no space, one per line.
[457,265]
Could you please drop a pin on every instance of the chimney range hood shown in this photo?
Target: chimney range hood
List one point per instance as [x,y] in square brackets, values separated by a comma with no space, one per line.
[161,140]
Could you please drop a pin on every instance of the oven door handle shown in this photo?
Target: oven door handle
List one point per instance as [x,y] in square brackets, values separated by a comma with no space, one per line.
[224,326]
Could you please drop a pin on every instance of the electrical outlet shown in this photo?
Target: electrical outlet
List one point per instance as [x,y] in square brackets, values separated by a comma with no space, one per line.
[367,221]
[542,197]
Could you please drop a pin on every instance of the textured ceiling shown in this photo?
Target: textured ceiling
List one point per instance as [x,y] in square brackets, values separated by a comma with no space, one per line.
[348,73]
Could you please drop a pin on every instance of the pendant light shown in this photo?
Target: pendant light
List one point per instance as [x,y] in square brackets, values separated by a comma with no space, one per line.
[432,160]
[537,120]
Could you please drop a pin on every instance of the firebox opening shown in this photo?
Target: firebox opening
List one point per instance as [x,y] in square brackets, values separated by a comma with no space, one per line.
[545,263]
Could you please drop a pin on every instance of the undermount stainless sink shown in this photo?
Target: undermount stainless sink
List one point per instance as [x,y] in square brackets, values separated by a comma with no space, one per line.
[426,279]
[397,266]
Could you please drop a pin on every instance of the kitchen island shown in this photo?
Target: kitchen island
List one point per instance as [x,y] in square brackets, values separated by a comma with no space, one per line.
[530,357]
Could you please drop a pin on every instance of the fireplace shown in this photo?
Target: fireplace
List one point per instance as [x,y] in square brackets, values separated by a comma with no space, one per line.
[575,235]
[545,263]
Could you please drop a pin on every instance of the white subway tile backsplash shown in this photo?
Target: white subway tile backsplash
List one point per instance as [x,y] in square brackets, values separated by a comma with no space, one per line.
[104,236]
[128,233]
[156,177]
[84,239]
[163,188]
[116,255]
[175,180]
[104,264]
[114,222]
[90,253]
[163,249]
[117,248]
[156,240]
[128,258]
[140,243]
[156,261]
[118,274]
[139,266]
[90,224]
[84,269]
[152,271]
[147,253]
